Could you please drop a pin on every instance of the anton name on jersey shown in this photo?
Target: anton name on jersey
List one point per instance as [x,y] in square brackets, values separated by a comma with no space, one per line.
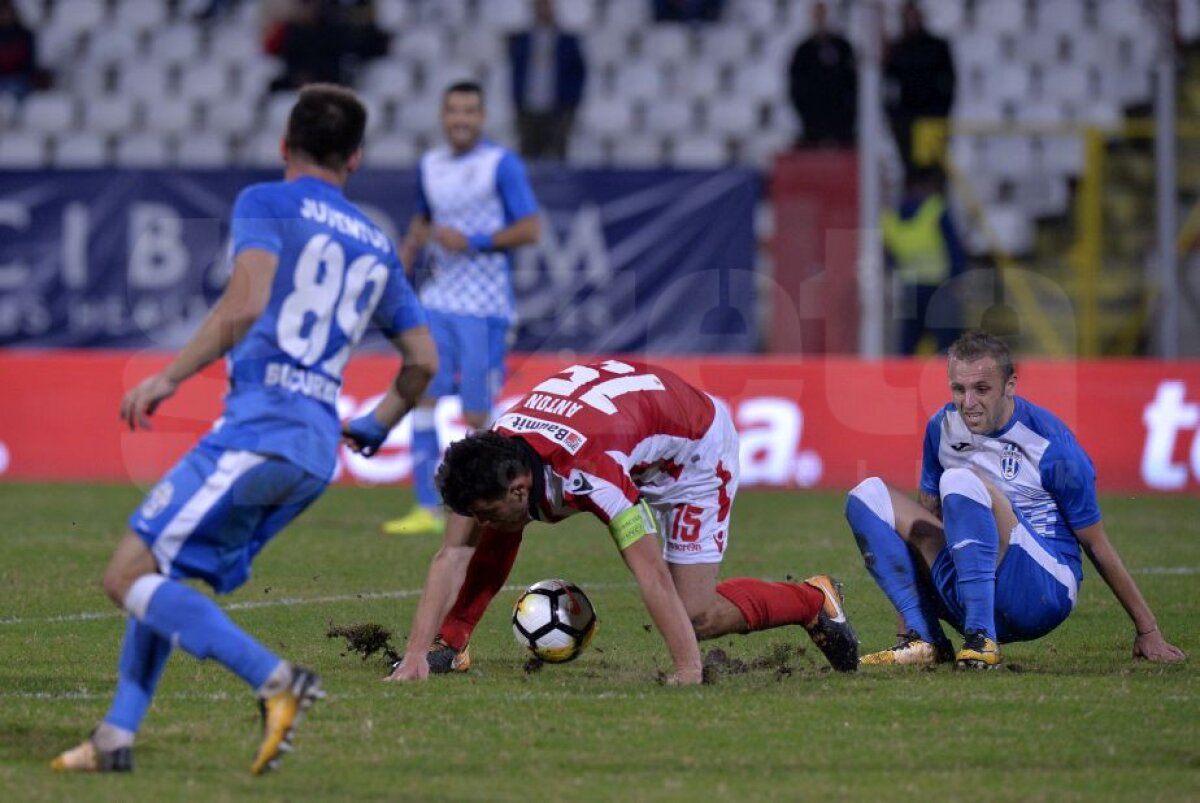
[297,380]
[570,439]
[323,213]
[548,404]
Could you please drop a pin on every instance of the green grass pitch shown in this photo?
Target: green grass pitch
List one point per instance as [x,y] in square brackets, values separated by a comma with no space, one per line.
[1072,717]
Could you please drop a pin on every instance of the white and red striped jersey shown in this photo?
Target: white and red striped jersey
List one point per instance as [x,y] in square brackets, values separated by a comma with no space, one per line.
[610,432]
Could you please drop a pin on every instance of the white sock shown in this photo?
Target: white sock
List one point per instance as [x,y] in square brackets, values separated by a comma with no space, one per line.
[109,738]
[279,679]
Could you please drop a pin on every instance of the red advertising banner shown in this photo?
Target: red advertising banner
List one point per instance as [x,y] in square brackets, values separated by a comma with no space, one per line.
[821,422]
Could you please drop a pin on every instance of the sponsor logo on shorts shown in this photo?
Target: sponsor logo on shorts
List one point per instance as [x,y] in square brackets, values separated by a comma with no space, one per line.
[677,546]
[158,499]
[566,437]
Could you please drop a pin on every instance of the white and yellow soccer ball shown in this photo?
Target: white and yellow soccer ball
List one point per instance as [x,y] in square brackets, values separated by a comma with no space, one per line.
[554,620]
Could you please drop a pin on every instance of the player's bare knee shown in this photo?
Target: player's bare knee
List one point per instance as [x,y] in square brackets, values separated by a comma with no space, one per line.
[116,583]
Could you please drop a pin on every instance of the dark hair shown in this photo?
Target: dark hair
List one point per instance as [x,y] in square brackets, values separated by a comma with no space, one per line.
[465,86]
[479,467]
[326,125]
[976,344]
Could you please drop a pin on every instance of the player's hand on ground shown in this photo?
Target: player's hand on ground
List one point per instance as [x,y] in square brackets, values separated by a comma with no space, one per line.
[364,434]
[450,239]
[410,669]
[140,403]
[1153,647]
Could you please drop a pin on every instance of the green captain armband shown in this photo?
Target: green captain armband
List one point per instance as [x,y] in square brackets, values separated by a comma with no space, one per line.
[629,527]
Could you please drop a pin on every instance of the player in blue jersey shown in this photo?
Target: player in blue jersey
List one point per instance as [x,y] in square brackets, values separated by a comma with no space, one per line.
[1007,499]
[474,206]
[310,272]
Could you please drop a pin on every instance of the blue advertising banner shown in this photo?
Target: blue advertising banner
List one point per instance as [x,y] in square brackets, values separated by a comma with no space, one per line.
[629,261]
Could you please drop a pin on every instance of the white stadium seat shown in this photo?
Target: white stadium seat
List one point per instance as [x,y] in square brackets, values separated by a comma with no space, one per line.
[639,79]
[585,149]
[140,15]
[576,15]
[723,44]
[112,45]
[1001,16]
[141,150]
[666,44]
[634,150]
[143,80]
[611,115]
[393,16]
[669,116]
[391,151]
[49,112]
[80,149]
[177,44]
[204,82]
[77,15]
[732,114]
[169,115]
[22,149]
[110,114]
[696,150]
[422,44]
[387,78]
[1060,16]
[236,114]
[208,149]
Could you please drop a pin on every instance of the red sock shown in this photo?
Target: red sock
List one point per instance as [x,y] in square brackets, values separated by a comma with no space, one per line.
[489,567]
[766,605]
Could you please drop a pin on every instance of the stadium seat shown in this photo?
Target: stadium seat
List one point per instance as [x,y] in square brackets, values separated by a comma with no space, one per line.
[391,151]
[387,78]
[1061,154]
[80,149]
[638,150]
[22,149]
[170,115]
[701,80]
[693,150]
[112,45]
[57,47]
[760,80]
[110,114]
[481,48]
[49,112]
[628,15]
[1061,16]
[975,49]
[639,80]
[423,44]
[1068,82]
[587,150]
[606,46]
[393,16]
[143,81]
[210,149]
[77,15]
[253,77]
[759,149]
[1000,16]
[234,114]
[732,114]
[576,15]
[754,14]
[276,110]
[722,44]
[611,115]
[1010,227]
[210,82]
[31,12]
[141,150]
[140,15]
[666,44]
[178,44]
[669,116]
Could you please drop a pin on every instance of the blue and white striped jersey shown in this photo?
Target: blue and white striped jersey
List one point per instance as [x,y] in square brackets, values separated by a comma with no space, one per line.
[336,272]
[1034,460]
[479,192]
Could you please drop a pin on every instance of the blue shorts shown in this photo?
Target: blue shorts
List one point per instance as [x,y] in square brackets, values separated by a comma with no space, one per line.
[471,351]
[217,508]
[1036,586]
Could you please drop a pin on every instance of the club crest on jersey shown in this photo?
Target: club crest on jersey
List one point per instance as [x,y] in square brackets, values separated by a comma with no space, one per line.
[158,499]
[578,485]
[1010,461]
[570,439]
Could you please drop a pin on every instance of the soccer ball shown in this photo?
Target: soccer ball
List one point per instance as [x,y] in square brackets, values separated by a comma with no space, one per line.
[554,620]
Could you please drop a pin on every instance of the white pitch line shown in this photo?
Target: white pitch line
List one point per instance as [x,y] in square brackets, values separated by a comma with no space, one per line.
[268,603]
[1168,570]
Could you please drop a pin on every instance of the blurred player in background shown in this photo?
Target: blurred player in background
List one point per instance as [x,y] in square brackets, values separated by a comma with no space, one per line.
[474,206]
[1007,498]
[650,456]
[310,271]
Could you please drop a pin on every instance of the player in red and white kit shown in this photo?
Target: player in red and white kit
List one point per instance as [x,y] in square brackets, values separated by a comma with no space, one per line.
[648,455]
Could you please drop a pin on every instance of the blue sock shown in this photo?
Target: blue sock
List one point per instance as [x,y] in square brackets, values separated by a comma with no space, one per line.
[194,622]
[425,456]
[973,541]
[143,656]
[888,560]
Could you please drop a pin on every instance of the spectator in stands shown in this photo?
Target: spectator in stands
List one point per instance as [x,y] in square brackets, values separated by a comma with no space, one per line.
[919,75]
[18,50]
[924,251]
[688,10]
[823,84]
[548,75]
[323,41]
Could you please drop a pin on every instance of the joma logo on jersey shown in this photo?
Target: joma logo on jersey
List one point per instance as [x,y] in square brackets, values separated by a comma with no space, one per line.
[564,436]
[1010,461]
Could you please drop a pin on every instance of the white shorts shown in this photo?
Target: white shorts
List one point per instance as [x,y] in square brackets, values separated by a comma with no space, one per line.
[693,509]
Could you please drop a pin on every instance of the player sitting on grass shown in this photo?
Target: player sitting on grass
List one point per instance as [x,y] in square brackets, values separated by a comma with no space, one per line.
[648,455]
[309,271]
[1007,499]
